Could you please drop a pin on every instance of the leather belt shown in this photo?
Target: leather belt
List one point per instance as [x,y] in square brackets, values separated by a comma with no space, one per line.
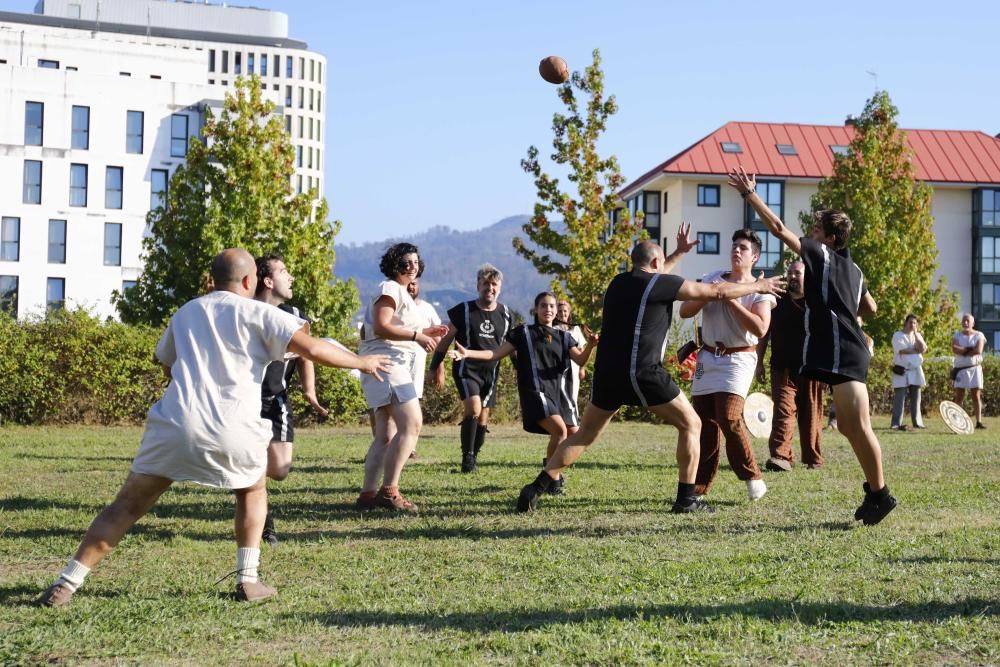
[721,350]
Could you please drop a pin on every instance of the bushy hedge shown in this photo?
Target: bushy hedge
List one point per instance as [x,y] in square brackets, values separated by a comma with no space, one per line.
[73,368]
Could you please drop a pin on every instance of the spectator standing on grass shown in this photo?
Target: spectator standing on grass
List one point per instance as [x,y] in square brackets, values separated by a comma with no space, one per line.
[908,349]
[968,345]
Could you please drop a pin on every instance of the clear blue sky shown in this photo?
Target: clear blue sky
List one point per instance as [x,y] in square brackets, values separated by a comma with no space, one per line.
[431,105]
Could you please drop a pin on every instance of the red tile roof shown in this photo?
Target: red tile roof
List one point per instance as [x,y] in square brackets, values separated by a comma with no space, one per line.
[940,156]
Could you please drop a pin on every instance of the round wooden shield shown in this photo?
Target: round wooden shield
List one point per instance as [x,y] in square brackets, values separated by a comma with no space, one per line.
[758,411]
[955,418]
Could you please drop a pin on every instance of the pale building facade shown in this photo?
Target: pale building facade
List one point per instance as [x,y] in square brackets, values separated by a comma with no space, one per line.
[101,100]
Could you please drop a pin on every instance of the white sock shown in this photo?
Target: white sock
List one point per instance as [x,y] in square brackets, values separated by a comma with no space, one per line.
[247,560]
[72,577]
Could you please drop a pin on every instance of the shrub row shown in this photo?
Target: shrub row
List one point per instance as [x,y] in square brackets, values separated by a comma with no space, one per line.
[72,368]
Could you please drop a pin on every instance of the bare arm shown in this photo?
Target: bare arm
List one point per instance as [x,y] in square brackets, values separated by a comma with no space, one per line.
[692,291]
[307,374]
[756,320]
[385,329]
[761,349]
[327,354]
[867,306]
[746,185]
[684,245]
[691,308]
[581,355]
[979,346]
[460,353]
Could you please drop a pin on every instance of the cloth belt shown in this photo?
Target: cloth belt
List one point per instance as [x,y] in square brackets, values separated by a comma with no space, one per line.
[721,350]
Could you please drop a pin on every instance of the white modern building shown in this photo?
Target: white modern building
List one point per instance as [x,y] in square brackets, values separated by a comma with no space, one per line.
[962,167]
[100,99]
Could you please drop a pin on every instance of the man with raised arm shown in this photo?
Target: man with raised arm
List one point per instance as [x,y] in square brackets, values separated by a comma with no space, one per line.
[638,307]
[207,427]
[835,350]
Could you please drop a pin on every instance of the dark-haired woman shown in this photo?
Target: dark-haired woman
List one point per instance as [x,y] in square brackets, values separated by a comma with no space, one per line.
[545,357]
[393,326]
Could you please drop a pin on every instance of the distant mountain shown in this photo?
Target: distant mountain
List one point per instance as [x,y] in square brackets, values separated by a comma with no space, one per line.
[452,258]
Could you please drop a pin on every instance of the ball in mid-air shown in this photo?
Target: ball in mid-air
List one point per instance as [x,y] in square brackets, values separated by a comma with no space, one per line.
[554,69]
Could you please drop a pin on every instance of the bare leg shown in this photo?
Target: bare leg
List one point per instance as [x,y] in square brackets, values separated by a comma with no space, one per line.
[472,407]
[960,396]
[385,430]
[279,459]
[556,428]
[408,420]
[569,450]
[854,421]
[679,414]
[977,404]
[251,509]
[137,495]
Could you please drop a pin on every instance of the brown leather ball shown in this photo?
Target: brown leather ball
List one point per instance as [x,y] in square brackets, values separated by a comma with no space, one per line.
[554,69]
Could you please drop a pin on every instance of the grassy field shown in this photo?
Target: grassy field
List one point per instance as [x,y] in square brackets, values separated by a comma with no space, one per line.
[603,575]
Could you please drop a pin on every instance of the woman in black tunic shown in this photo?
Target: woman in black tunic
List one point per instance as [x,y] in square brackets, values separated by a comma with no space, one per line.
[543,365]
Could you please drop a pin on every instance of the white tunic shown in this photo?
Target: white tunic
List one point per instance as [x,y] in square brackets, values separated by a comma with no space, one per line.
[913,363]
[207,427]
[731,373]
[398,384]
[971,374]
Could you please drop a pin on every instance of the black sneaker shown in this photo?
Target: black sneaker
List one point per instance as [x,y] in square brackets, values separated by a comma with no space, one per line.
[469,462]
[980,425]
[270,535]
[872,509]
[528,500]
[558,486]
[696,505]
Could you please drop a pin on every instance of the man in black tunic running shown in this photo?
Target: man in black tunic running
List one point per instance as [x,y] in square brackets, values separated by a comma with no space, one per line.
[274,286]
[480,324]
[835,350]
[638,307]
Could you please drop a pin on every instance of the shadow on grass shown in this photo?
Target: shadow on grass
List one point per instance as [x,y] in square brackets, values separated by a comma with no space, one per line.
[808,613]
[48,457]
[924,560]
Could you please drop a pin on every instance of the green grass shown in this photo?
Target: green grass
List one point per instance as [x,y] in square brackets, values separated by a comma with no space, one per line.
[603,575]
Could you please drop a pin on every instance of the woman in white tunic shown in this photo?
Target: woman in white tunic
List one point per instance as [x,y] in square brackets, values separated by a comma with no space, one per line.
[394,327]
[967,346]
[908,347]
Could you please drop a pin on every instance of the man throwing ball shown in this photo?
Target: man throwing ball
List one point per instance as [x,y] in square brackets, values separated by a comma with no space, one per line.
[207,427]
[638,306]
[835,350]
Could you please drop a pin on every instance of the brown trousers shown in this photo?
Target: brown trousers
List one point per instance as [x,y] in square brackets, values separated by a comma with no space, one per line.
[796,398]
[722,415]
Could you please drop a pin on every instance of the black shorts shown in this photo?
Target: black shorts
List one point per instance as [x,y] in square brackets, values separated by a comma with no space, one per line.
[476,381]
[537,406]
[278,410]
[650,386]
[827,377]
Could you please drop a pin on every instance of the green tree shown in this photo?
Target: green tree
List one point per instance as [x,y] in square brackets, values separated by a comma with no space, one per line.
[235,191]
[585,252]
[892,239]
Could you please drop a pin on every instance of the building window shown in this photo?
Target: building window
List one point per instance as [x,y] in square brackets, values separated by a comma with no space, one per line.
[298,160]
[312,70]
[708,195]
[708,243]
[840,149]
[319,139]
[237,63]
[129,284]
[989,306]
[34,123]
[649,204]
[312,98]
[310,128]
[319,102]
[302,123]
[309,158]
[786,149]
[80,128]
[48,64]
[302,97]
[112,244]
[113,187]
[57,241]
[302,68]
[133,132]
[299,186]
[986,208]
[158,183]
[225,62]
[263,64]
[178,135]
[664,209]
[10,239]
[731,147]
[211,60]
[8,294]
[55,294]
[32,192]
[250,63]
[78,185]
[318,163]
[288,97]
[277,65]
[288,67]
[319,72]
[773,194]
[288,125]
[989,261]
[70,68]
[124,73]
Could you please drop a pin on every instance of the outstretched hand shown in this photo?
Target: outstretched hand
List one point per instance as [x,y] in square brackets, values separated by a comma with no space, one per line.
[374,364]
[743,182]
[458,354]
[684,242]
[774,285]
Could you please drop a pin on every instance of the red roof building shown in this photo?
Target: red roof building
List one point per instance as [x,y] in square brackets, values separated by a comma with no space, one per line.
[789,159]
